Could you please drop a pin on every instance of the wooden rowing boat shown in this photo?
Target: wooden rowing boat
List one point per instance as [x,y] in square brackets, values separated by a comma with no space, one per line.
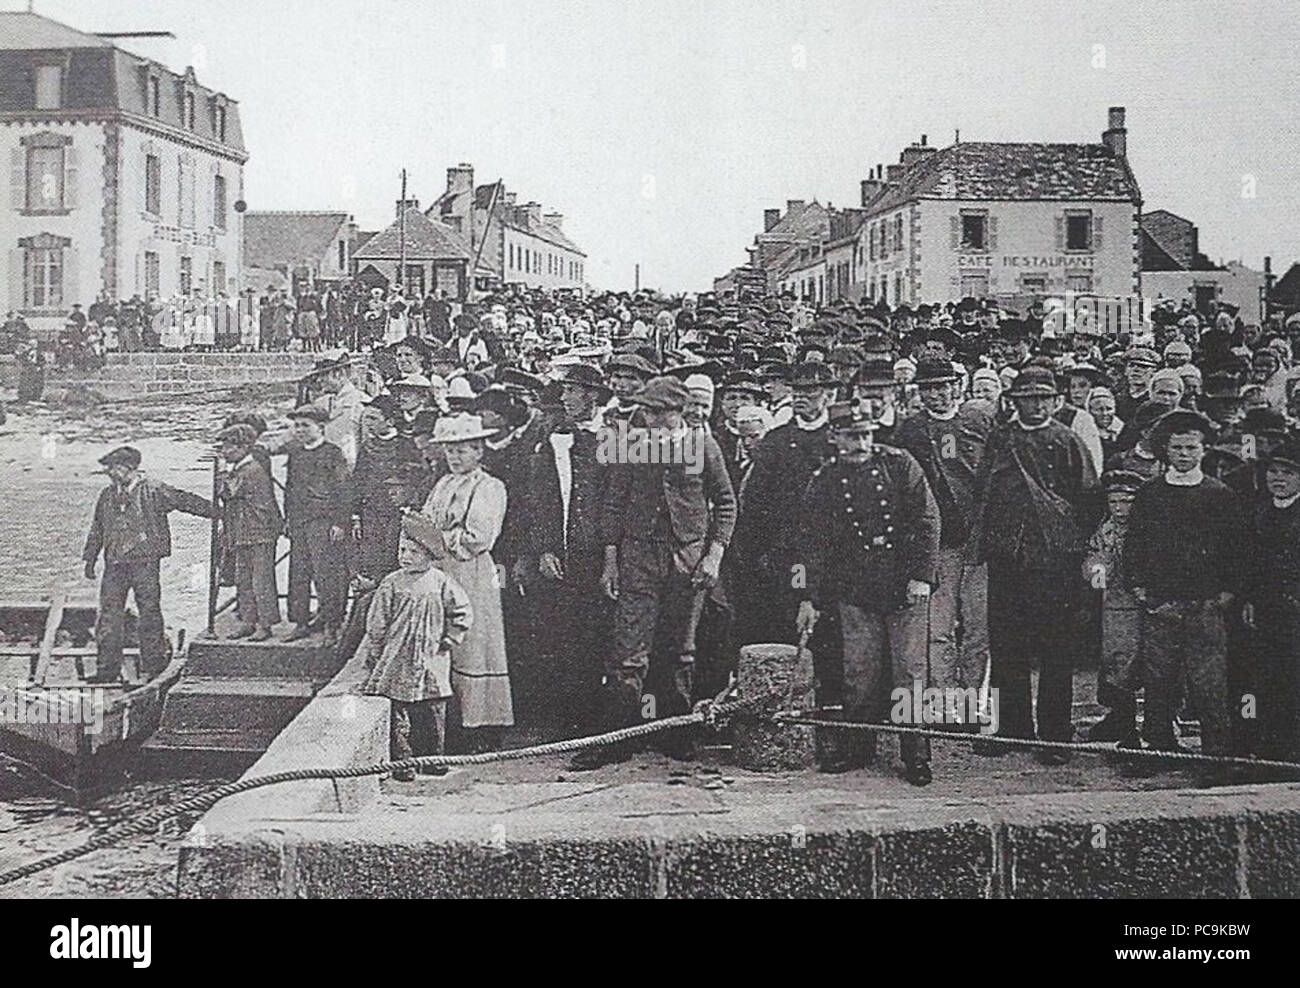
[78,737]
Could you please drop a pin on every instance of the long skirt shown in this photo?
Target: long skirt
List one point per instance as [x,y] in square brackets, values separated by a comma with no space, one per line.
[307,326]
[480,677]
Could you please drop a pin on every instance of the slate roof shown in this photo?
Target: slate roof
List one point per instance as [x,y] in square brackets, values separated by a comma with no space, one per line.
[1000,171]
[275,239]
[543,231]
[812,222]
[426,240]
[102,77]
[1287,289]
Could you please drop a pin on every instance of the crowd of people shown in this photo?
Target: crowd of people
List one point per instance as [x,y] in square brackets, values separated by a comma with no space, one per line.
[575,511]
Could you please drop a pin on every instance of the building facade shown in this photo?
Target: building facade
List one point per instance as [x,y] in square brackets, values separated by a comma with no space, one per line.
[125,177]
[436,257]
[304,250]
[1173,267]
[512,243]
[993,219]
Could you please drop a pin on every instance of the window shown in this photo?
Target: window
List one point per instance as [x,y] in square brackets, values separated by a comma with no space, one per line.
[153,184]
[526,262]
[1033,284]
[898,287]
[871,241]
[49,87]
[155,97]
[45,179]
[974,231]
[152,280]
[185,193]
[218,276]
[1081,283]
[975,285]
[219,203]
[343,255]
[898,232]
[187,275]
[43,278]
[189,111]
[221,124]
[1078,231]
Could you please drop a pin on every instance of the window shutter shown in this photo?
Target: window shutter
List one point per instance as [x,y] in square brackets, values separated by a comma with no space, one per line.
[18,178]
[71,285]
[955,230]
[993,233]
[17,289]
[1060,233]
[70,169]
[1096,233]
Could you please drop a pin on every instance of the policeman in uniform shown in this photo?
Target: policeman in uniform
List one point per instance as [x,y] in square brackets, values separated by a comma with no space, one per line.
[870,544]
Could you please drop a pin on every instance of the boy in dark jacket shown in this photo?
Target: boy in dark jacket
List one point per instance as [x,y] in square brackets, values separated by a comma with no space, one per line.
[253,525]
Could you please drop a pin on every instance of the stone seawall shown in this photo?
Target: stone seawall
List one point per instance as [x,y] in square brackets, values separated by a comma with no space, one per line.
[128,375]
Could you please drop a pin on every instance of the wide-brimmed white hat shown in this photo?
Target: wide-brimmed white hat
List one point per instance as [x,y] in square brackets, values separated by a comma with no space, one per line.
[460,428]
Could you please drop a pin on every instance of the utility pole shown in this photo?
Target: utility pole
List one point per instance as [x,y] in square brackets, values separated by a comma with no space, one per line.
[401,249]
[638,278]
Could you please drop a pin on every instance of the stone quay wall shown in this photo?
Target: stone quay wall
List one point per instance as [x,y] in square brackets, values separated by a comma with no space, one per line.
[129,375]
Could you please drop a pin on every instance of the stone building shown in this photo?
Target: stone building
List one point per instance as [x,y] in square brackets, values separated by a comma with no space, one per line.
[1174,267]
[302,250]
[125,177]
[1008,219]
[436,255]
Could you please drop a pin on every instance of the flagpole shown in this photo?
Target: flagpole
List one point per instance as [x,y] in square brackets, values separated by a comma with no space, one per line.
[401,250]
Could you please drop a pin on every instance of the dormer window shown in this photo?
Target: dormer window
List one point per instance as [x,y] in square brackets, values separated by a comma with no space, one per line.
[155,96]
[221,124]
[49,87]
[189,111]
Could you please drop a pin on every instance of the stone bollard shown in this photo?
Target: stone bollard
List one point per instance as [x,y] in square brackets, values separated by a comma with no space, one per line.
[767,670]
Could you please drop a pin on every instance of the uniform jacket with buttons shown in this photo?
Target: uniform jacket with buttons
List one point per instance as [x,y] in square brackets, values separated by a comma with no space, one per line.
[867,529]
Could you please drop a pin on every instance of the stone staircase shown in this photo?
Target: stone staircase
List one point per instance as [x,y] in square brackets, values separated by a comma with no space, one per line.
[232,701]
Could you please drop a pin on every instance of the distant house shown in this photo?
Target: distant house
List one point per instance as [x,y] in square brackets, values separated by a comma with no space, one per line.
[305,249]
[511,243]
[1173,267]
[437,257]
[1286,293]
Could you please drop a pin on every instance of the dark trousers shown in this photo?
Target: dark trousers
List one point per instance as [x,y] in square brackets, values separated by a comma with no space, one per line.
[1031,614]
[572,637]
[418,728]
[1276,682]
[1184,646]
[257,597]
[142,580]
[654,635]
[314,559]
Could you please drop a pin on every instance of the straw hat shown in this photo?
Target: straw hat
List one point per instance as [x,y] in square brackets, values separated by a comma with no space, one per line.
[461,428]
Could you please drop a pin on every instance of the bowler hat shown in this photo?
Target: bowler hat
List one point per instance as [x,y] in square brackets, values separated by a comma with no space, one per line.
[741,380]
[1034,381]
[663,393]
[123,456]
[812,375]
[933,369]
[875,372]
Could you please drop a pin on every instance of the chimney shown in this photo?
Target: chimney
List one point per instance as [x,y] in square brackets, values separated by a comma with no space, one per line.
[555,219]
[510,200]
[871,186]
[534,211]
[460,178]
[1115,136]
[405,204]
[771,217]
[894,174]
[794,206]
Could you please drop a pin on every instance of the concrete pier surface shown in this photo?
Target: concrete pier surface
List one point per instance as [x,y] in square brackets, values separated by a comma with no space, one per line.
[652,827]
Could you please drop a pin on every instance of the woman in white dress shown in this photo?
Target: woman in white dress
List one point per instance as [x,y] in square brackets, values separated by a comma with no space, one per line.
[467,507]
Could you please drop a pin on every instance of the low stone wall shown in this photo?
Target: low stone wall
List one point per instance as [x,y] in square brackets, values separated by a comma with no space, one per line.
[130,374]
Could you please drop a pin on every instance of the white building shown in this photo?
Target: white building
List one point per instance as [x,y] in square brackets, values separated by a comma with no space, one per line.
[125,177]
[980,219]
[513,243]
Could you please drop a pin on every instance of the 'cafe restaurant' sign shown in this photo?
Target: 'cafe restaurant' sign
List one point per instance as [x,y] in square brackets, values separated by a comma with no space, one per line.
[1032,261]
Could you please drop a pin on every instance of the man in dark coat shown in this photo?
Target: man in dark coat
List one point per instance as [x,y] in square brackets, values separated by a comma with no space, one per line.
[130,528]
[1033,486]
[949,441]
[666,518]
[767,530]
[564,555]
[253,525]
[869,537]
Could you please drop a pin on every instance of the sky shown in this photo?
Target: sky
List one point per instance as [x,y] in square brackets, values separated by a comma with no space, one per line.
[661,129]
